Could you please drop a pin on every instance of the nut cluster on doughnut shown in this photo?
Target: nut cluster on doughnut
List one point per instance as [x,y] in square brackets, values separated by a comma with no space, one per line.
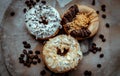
[62,53]
[43,21]
[80,21]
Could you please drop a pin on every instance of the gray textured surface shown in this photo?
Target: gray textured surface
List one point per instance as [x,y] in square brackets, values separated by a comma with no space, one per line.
[114,69]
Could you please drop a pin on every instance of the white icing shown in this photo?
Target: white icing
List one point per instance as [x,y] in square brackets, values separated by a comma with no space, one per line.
[67,62]
[40,30]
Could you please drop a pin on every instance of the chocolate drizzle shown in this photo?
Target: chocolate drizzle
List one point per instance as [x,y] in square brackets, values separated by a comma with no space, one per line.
[68,17]
[83,32]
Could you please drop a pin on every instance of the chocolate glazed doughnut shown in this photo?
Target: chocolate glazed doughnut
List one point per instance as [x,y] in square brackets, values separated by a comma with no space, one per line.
[80,21]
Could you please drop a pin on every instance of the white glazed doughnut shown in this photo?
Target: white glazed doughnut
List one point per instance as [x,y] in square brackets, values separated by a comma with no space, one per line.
[62,53]
[42,21]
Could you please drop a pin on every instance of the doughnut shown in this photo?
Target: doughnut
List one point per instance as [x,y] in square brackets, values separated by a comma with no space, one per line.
[80,21]
[62,53]
[43,21]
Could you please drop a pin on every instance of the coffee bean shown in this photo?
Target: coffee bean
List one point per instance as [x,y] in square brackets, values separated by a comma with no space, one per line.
[35,56]
[99,49]
[43,72]
[39,60]
[24,10]
[27,46]
[30,52]
[22,55]
[103,9]
[93,2]
[34,62]
[37,52]
[97,12]
[103,16]
[44,2]
[21,61]
[101,36]
[25,64]
[99,65]
[103,6]
[107,25]
[37,0]
[28,64]
[103,40]
[25,51]
[87,73]
[101,55]
[12,13]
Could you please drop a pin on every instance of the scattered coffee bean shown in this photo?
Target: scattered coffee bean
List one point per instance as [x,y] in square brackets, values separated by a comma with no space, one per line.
[103,16]
[101,55]
[101,36]
[12,13]
[99,65]
[87,73]
[22,55]
[21,61]
[27,46]
[93,2]
[37,0]
[34,62]
[43,72]
[107,25]
[30,52]
[39,60]
[44,2]
[103,40]
[24,42]
[25,64]
[25,51]
[37,52]
[35,57]
[28,64]
[24,10]
[97,12]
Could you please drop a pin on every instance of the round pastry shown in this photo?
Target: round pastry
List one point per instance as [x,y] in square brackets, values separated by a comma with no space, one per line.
[62,53]
[43,21]
[80,21]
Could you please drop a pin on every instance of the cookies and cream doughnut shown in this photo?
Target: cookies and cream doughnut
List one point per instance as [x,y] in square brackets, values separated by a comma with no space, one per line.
[43,21]
[80,21]
[62,53]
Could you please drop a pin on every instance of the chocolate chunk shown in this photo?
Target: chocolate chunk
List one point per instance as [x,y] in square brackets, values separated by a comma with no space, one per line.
[25,51]
[64,21]
[107,25]
[39,60]
[93,2]
[101,36]
[78,33]
[24,42]
[99,65]
[68,17]
[37,52]
[44,2]
[103,16]
[43,72]
[73,33]
[85,32]
[64,52]
[101,55]
[67,27]
[12,13]
[22,55]
[87,73]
